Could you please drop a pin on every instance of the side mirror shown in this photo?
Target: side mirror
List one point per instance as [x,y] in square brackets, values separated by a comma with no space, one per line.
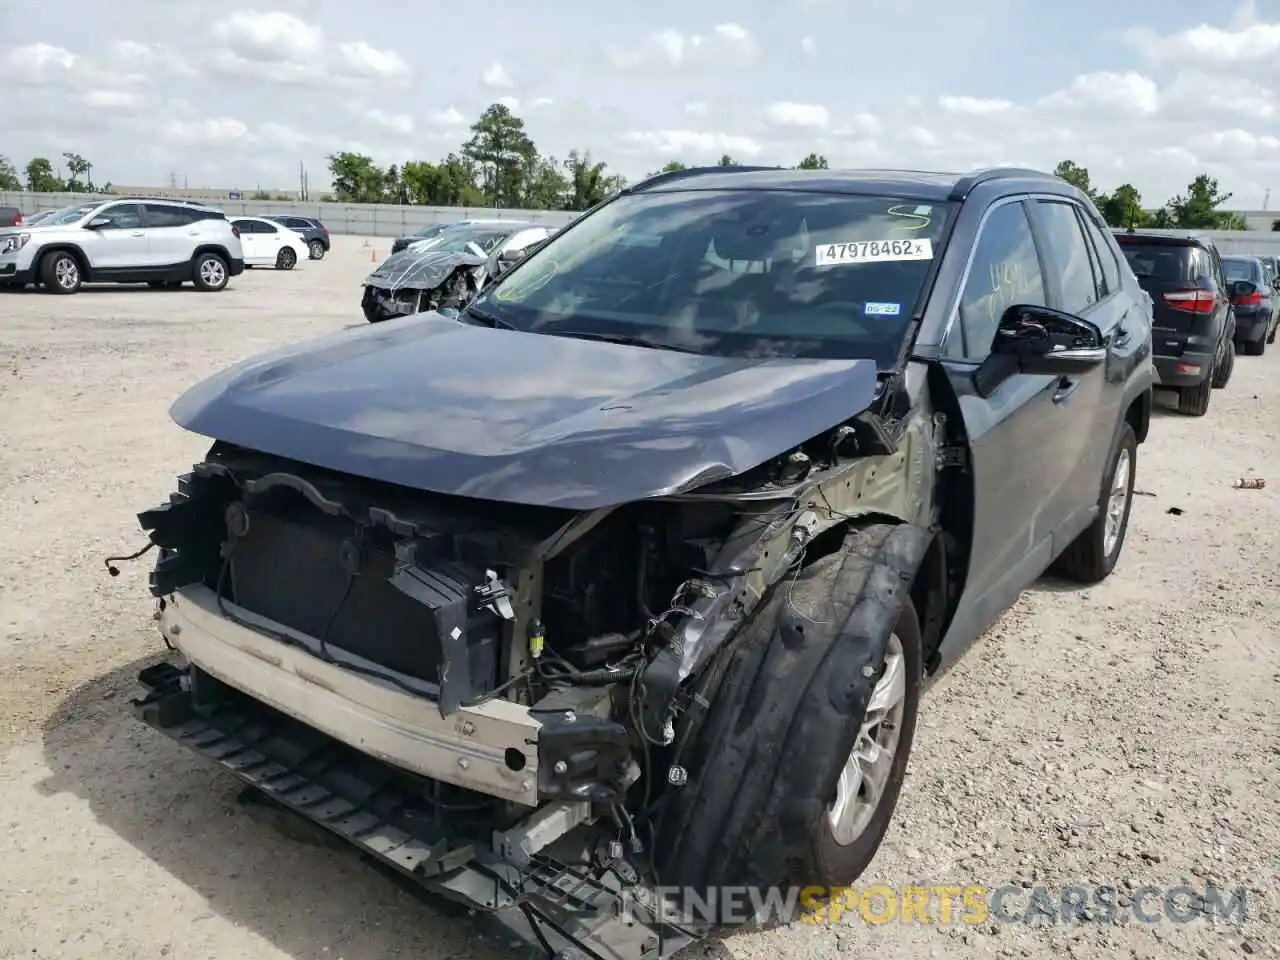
[97,223]
[1040,341]
[1242,290]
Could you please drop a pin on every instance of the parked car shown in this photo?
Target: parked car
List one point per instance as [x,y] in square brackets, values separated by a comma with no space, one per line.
[310,229]
[435,229]
[159,242]
[10,217]
[1194,321]
[445,271]
[660,540]
[270,244]
[1256,303]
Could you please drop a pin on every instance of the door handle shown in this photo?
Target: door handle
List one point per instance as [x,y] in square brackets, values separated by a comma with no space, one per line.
[1065,388]
[137,233]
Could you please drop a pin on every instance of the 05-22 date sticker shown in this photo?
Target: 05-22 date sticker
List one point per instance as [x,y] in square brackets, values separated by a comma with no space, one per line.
[873,251]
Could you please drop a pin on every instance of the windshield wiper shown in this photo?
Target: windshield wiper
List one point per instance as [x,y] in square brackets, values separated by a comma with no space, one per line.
[622,338]
[488,319]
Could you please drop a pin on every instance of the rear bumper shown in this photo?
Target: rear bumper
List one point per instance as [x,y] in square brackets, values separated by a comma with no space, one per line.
[235,266]
[1187,370]
[1251,326]
[546,904]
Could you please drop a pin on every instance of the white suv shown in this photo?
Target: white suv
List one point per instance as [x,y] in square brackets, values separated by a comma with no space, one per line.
[164,243]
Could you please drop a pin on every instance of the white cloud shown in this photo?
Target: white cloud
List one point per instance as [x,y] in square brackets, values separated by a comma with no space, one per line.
[798,114]
[511,103]
[496,76]
[243,94]
[974,106]
[727,44]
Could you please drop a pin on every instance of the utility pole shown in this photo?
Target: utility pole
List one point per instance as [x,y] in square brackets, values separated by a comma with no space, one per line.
[1266,198]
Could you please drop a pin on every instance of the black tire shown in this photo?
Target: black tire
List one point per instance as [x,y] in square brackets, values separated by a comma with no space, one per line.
[286,259]
[1087,559]
[60,273]
[316,250]
[1194,401]
[371,308]
[1271,337]
[209,273]
[1222,373]
[1255,348]
[156,284]
[787,701]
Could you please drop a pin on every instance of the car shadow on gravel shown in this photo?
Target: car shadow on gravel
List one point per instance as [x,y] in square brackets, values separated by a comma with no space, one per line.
[259,867]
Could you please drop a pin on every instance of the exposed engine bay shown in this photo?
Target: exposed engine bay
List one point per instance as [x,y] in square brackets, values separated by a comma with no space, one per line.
[503,684]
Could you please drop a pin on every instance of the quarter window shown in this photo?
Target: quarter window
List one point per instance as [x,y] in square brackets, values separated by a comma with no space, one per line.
[1067,256]
[1005,271]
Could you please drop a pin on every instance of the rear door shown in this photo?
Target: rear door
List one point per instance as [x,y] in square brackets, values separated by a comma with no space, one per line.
[171,232]
[250,241]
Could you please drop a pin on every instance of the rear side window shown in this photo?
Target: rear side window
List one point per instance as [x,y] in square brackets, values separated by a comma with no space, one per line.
[163,215]
[1067,255]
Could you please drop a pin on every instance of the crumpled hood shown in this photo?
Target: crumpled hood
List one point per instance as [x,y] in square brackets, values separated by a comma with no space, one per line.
[448,407]
[419,270]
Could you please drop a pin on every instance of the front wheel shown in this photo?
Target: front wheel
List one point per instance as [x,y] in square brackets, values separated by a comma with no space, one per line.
[60,273]
[286,259]
[1092,556]
[209,273]
[794,775]
[316,250]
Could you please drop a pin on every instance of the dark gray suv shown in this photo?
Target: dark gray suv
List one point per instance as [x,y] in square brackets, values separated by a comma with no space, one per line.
[638,567]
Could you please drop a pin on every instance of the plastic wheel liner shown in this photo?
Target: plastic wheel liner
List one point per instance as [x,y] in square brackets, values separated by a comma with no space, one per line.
[547,908]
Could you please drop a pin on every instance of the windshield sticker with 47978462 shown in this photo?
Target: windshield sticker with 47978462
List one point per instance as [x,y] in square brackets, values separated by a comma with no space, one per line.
[873,251]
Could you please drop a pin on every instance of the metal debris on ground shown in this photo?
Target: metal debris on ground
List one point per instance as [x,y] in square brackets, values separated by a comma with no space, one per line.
[1250,483]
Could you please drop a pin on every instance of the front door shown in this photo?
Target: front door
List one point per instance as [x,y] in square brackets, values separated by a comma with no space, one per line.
[119,245]
[1018,471]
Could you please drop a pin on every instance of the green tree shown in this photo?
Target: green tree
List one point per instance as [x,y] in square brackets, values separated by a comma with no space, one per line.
[41,178]
[814,161]
[1077,176]
[393,190]
[1275,226]
[450,183]
[1123,207]
[728,161]
[356,178]
[1197,209]
[589,182]
[81,170]
[9,179]
[503,151]
[544,184]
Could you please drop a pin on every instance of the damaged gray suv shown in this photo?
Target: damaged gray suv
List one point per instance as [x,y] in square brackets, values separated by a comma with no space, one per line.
[629,578]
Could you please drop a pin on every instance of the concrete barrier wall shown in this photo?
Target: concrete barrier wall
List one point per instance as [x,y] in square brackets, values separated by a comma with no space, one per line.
[363,219]
[390,220]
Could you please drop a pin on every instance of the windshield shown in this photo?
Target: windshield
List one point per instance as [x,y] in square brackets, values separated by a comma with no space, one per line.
[733,273]
[430,231]
[1240,270]
[72,214]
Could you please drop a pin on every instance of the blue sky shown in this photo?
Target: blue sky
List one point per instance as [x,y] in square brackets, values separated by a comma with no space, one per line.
[145,88]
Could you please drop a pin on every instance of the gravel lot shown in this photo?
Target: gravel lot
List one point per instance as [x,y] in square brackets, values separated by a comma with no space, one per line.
[1127,733]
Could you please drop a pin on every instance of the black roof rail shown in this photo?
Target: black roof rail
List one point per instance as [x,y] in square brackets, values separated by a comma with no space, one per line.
[670,175]
[964,186]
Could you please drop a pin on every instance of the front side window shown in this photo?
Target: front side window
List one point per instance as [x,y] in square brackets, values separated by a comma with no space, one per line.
[120,216]
[1005,271]
[734,273]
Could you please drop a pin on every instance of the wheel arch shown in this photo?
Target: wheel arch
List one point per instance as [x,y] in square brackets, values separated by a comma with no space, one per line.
[1138,414]
[82,261]
[214,248]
